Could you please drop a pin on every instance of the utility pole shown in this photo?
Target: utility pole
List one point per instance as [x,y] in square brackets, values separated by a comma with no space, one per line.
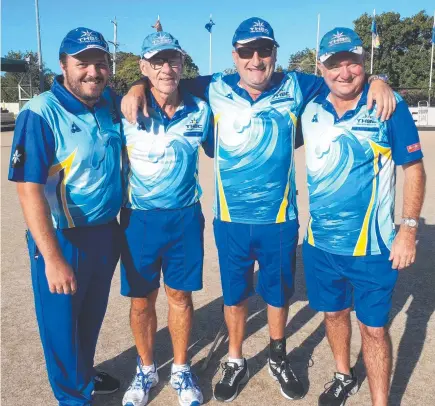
[38,36]
[114,43]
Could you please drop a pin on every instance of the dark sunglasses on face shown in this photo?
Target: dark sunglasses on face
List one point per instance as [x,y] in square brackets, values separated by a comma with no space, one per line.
[248,52]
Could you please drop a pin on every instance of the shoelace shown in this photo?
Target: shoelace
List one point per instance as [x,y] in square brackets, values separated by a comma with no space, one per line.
[284,370]
[142,381]
[229,369]
[186,380]
[336,386]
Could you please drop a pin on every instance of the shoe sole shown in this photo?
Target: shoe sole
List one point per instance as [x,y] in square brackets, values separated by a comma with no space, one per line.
[244,380]
[104,392]
[282,392]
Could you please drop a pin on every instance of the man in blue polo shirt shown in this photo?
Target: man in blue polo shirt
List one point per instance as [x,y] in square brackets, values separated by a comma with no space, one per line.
[162,219]
[351,247]
[255,114]
[66,162]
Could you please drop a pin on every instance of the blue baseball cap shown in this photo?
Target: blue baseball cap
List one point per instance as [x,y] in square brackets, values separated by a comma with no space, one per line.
[252,29]
[81,39]
[340,39]
[159,41]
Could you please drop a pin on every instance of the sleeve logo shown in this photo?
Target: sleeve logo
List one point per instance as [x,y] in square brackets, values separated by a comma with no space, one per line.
[414,147]
[17,159]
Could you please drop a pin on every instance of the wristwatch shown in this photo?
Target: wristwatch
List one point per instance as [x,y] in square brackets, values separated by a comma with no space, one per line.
[410,222]
[381,76]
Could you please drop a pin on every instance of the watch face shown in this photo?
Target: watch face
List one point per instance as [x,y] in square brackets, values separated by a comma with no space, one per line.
[412,223]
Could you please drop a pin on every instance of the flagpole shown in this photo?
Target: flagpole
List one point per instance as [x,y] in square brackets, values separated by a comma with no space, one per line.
[431,59]
[373,45]
[210,69]
[317,43]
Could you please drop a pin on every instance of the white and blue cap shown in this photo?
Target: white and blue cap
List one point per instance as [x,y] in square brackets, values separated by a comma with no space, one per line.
[340,39]
[252,29]
[81,39]
[159,41]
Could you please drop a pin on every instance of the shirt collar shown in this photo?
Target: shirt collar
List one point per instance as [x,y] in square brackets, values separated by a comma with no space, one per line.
[233,80]
[69,101]
[322,98]
[188,104]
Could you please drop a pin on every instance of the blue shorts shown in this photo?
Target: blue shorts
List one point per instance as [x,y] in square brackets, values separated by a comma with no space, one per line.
[272,245]
[155,240]
[331,278]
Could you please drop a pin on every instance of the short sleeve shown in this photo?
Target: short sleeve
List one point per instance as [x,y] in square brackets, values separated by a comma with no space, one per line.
[208,138]
[311,86]
[403,136]
[33,149]
[197,86]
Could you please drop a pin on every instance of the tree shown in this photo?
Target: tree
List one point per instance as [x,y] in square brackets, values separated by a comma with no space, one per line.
[404,54]
[303,61]
[128,71]
[29,80]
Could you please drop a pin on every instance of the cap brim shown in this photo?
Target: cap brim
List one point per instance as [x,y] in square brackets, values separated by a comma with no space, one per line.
[88,47]
[150,54]
[354,50]
[248,40]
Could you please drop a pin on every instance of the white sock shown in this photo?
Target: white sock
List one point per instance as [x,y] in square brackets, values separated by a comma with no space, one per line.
[147,368]
[179,368]
[239,361]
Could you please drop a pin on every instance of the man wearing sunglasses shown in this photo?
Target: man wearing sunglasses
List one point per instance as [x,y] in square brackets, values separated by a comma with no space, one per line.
[351,250]
[162,221]
[66,162]
[255,112]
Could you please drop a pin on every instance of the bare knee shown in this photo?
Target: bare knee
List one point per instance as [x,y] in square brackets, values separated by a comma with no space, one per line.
[337,316]
[373,333]
[179,299]
[142,306]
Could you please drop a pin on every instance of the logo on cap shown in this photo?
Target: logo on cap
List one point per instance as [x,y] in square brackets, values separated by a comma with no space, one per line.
[339,38]
[161,39]
[88,36]
[258,26]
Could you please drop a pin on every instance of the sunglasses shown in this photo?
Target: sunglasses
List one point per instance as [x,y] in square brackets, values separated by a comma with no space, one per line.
[248,52]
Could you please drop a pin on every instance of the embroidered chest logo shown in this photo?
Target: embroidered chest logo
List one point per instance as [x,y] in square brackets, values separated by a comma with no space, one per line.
[366,123]
[75,128]
[194,125]
[229,96]
[281,96]
[315,119]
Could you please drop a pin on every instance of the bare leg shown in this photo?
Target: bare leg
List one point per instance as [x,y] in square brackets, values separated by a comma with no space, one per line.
[376,346]
[235,318]
[339,332]
[143,322]
[180,318]
[277,320]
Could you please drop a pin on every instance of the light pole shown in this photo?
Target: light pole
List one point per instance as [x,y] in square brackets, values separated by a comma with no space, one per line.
[114,43]
[38,36]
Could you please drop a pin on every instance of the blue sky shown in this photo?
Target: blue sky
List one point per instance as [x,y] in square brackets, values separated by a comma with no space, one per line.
[294,23]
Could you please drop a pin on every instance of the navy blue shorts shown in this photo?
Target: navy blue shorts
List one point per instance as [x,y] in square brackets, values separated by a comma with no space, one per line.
[272,245]
[171,241]
[331,279]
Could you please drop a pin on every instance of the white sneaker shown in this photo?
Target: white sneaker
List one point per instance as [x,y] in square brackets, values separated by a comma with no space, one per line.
[184,382]
[139,389]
